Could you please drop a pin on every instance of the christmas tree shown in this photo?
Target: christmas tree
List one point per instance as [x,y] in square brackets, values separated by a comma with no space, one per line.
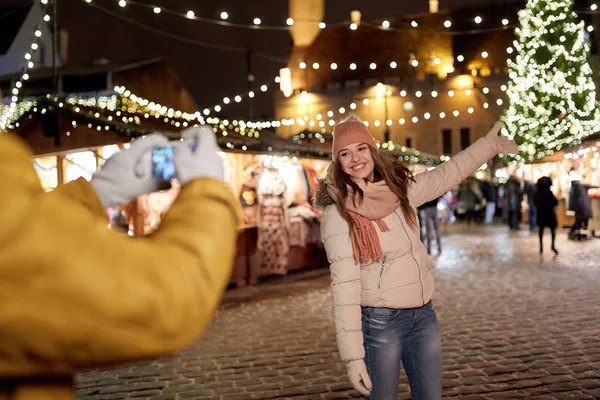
[552,96]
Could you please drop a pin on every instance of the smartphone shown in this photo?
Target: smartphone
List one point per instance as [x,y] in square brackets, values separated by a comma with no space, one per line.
[163,162]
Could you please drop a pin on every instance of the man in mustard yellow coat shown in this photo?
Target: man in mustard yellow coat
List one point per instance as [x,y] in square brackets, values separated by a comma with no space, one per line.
[75,295]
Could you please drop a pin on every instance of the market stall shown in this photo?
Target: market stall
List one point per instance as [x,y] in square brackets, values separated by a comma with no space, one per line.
[580,163]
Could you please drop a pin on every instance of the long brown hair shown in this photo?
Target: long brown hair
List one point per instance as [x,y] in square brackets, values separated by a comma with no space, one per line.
[396,176]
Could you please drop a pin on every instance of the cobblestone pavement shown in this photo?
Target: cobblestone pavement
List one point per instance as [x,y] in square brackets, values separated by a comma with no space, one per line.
[514,325]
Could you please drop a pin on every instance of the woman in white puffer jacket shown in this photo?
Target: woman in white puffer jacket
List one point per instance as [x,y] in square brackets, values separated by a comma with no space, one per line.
[380,278]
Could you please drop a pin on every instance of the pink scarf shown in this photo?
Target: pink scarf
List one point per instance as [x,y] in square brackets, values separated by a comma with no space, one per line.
[378,202]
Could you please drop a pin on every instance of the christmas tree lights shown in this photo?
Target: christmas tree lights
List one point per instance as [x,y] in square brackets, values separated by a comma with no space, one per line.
[551,92]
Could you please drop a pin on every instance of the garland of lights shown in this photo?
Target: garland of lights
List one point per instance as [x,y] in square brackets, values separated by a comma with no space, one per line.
[551,92]
[8,111]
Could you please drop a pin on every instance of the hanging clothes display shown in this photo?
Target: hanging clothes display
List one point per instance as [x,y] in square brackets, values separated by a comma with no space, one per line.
[273,225]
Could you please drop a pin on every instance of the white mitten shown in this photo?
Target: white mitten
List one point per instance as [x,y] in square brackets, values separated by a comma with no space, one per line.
[128,174]
[358,376]
[203,162]
[501,144]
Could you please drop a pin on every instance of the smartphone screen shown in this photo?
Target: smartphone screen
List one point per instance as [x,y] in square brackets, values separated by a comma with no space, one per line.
[163,163]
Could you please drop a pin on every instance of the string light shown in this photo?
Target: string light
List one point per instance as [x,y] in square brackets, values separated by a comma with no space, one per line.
[414,24]
[8,112]
[353,26]
[290,21]
[447,23]
[322,25]
[190,14]
[224,15]
[478,19]
[157,10]
[385,24]
[257,21]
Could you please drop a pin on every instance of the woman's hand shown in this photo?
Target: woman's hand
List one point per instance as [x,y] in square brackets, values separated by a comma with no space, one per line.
[501,144]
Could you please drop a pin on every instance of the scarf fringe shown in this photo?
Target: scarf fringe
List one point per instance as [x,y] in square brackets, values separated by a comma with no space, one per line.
[365,240]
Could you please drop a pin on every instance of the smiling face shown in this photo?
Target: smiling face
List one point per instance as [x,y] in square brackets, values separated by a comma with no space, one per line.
[356,160]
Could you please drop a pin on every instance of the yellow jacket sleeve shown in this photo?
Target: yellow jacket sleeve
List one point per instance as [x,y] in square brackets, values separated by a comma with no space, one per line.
[76,295]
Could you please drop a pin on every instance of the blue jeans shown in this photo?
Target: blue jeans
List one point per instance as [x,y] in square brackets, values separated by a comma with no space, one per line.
[490,210]
[430,217]
[532,221]
[409,335]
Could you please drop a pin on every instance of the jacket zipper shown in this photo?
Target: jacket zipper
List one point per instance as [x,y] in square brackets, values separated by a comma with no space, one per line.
[413,257]
[383,265]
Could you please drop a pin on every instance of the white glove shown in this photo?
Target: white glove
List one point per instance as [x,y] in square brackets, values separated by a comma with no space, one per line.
[501,144]
[128,174]
[358,376]
[204,162]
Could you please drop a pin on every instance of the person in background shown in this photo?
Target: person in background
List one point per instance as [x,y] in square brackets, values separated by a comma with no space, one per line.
[545,203]
[382,308]
[430,219]
[581,204]
[467,202]
[513,198]
[489,193]
[529,189]
[77,295]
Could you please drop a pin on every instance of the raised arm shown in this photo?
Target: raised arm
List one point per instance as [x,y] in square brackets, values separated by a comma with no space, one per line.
[433,184]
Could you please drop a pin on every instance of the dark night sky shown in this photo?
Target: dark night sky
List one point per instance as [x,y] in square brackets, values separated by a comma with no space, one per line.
[209,74]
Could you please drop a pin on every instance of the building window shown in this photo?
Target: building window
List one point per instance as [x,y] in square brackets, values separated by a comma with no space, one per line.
[447,141]
[465,138]
[409,143]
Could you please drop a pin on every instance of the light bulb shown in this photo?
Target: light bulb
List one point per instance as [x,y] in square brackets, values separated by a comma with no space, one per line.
[353,26]
[251,94]
[373,66]
[393,64]
[437,61]
[470,110]
[414,63]
[226,100]
[333,66]
[478,19]
[157,10]
[342,110]
[302,65]
[403,93]
[484,54]
[414,24]
[122,3]
[322,25]
[263,88]
[460,58]
[34,46]
[238,98]
[385,24]
[485,90]
[257,21]
[315,65]
[442,115]
[353,66]
[468,92]
[451,93]
[190,14]
[434,93]
[418,93]
[38,33]
[366,102]
[447,23]
[504,21]
[46,18]
[224,15]
[290,21]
